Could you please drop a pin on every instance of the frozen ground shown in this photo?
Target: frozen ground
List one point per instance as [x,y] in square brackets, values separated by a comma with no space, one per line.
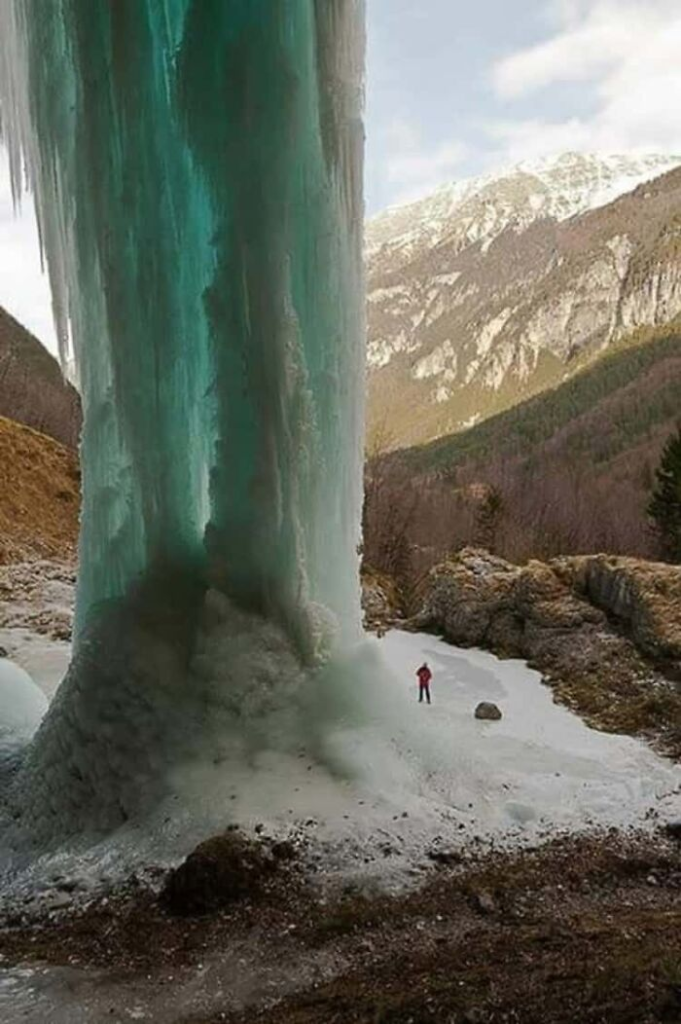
[45,660]
[428,776]
[404,776]
[36,610]
[540,764]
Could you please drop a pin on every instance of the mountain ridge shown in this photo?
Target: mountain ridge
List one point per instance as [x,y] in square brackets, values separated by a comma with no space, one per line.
[461,333]
[572,182]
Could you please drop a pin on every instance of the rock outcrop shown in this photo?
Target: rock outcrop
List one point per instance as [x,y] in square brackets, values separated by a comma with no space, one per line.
[381,604]
[645,597]
[604,631]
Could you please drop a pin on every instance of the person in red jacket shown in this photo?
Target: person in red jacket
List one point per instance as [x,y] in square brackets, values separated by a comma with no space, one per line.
[424,676]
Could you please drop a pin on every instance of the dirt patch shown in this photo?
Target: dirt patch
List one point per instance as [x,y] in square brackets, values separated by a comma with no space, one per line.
[581,930]
[219,872]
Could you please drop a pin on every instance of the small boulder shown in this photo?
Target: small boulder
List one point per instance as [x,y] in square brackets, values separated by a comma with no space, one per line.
[444,857]
[673,829]
[488,712]
[218,872]
[484,902]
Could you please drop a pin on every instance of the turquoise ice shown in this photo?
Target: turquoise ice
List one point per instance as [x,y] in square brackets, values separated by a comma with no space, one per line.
[197,169]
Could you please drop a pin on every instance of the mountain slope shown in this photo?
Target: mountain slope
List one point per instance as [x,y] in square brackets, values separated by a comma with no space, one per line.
[627,397]
[39,495]
[570,470]
[32,388]
[493,307]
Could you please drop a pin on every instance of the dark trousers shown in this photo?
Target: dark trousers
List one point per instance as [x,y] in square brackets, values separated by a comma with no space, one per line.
[424,688]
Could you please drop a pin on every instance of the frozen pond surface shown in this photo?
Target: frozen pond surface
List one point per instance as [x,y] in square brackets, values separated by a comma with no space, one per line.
[416,769]
[540,762]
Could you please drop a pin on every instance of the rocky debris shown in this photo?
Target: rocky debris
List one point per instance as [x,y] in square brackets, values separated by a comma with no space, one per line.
[488,712]
[673,829]
[484,902]
[605,632]
[220,871]
[445,858]
[38,596]
[569,931]
[380,600]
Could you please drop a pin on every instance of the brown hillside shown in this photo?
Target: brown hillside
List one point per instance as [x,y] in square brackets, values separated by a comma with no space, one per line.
[567,472]
[39,495]
[32,388]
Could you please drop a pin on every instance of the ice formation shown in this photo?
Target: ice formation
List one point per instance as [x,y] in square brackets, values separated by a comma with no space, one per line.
[197,172]
[22,705]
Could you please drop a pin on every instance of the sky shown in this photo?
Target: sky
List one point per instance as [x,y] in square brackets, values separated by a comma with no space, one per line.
[461,87]
[457,88]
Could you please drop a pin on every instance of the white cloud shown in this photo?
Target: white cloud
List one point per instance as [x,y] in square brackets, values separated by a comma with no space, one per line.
[587,44]
[628,50]
[411,168]
[24,288]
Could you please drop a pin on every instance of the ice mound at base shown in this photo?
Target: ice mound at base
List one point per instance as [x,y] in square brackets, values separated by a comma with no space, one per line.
[349,763]
[22,706]
[389,773]
[380,778]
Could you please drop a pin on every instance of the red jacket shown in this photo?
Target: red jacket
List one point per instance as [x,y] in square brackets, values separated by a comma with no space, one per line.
[425,675]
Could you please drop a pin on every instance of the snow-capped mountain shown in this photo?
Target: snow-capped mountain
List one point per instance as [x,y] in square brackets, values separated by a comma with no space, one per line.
[479,209]
[493,288]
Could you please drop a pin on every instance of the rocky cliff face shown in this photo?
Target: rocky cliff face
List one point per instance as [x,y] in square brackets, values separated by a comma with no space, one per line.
[484,296]
[604,631]
[32,388]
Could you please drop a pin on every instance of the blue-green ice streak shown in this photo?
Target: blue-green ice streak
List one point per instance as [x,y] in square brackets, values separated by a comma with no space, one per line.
[197,172]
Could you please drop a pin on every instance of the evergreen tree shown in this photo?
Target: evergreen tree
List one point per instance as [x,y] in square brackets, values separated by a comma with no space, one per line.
[488,517]
[665,505]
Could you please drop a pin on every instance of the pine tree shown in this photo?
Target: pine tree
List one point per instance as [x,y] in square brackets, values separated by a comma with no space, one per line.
[665,505]
[488,518]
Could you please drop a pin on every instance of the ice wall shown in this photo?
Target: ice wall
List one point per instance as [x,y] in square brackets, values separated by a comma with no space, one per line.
[197,172]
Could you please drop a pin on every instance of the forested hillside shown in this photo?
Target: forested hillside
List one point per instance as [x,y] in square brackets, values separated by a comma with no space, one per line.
[569,471]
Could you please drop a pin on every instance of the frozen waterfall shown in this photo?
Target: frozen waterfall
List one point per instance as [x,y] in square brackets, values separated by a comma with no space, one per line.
[197,170]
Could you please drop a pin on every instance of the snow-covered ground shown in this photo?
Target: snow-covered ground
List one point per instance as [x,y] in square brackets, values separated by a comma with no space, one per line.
[44,659]
[385,778]
[395,778]
[428,776]
[539,765]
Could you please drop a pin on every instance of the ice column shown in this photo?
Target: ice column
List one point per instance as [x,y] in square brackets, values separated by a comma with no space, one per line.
[197,172]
